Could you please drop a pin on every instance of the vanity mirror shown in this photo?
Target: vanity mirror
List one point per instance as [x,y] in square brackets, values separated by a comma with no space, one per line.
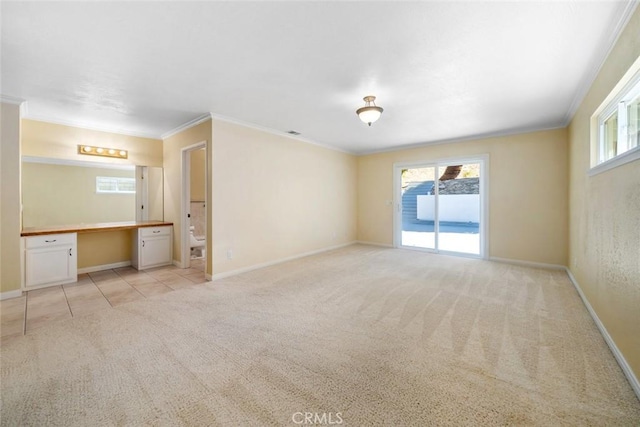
[63,192]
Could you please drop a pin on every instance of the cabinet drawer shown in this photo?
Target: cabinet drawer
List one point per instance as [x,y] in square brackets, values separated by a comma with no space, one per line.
[50,240]
[155,231]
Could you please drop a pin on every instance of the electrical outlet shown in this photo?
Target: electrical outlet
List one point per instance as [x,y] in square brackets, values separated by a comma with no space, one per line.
[229,253]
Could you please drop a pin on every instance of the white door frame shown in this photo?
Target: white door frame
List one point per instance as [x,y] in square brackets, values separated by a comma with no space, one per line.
[185,211]
[483,160]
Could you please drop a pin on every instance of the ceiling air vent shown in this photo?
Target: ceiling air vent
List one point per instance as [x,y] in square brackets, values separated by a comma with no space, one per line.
[293,132]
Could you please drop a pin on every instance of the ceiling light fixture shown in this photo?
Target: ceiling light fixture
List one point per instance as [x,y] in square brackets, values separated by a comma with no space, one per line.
[103,152]
[370,112]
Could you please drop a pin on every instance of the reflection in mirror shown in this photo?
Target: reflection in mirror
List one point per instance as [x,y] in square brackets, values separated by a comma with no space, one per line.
[63,192]
[149,193]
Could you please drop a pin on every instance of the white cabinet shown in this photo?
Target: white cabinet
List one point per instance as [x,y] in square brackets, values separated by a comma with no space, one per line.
[152,247]
[50,260]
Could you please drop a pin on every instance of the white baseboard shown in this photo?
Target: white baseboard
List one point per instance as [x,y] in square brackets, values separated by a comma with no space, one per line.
[364,242]
[278,261]
[104,267]
[10,294]
[528,263]
[633,380]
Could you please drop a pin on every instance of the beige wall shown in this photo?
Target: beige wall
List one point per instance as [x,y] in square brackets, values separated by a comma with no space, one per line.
[172,153]
[10,276]
[198,175]
[604,244]
[42,139]
[65,194]
[528,209]
[104,248]
[276,197]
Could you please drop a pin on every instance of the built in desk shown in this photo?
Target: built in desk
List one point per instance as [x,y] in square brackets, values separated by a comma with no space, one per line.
[50,253]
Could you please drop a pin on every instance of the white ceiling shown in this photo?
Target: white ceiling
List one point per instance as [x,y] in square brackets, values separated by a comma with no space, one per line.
[441,70]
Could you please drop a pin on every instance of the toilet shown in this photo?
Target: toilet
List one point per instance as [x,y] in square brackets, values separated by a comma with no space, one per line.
[197,243]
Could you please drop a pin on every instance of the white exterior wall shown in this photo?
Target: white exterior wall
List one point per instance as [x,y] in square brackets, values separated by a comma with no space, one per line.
[453,207]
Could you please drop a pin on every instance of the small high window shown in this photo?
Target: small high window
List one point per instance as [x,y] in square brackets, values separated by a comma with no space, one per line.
[115,184]
[618,127]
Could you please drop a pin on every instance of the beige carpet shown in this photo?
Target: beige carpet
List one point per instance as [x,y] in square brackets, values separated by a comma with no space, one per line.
[366,335]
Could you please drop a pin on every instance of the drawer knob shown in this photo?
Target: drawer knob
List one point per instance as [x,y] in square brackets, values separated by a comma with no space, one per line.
[50,241]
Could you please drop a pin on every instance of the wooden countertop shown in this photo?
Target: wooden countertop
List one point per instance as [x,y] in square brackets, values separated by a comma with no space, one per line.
[91,228]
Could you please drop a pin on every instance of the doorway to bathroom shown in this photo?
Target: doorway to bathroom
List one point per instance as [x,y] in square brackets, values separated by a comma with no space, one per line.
[194,206]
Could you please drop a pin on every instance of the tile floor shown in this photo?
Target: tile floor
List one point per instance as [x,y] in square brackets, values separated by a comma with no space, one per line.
[93,291]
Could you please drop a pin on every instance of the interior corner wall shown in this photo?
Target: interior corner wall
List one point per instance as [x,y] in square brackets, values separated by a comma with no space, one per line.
[604,242]
[528,188]
[10,200]
[276,197]
[172,163]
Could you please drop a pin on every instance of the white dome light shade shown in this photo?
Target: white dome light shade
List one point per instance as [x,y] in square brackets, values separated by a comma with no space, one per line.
[370,112]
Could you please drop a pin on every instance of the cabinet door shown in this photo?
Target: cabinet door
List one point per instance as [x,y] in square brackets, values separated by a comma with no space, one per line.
[155,251]
[50,265]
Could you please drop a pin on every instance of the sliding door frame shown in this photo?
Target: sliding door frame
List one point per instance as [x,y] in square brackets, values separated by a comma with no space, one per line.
[483,160]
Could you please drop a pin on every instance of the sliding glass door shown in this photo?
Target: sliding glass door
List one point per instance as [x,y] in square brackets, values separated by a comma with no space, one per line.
[439,206]
[418,224]
[459,208]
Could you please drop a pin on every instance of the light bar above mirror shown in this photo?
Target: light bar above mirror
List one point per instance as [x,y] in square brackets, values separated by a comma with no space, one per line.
[102,151]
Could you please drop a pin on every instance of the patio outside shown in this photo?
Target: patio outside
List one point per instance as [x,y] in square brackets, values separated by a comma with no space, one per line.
[418,227]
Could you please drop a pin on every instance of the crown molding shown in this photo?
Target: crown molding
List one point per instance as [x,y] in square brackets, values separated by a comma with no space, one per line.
[279,133]
[7,99]
[582,91]
[12,100]
[83,125]
[478,137]
[191,123]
